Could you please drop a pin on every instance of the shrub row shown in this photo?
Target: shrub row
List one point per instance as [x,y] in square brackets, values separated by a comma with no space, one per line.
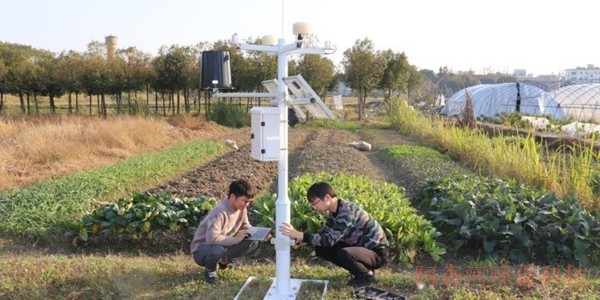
[142,216]
[409,233]
[41,209]
[508,219]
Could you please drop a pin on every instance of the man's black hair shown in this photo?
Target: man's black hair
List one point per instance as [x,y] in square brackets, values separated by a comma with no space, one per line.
[319,190]
[241,187]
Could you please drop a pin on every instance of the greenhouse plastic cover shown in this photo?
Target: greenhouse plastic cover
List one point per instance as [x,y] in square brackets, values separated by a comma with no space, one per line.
[493,99]
[580,101]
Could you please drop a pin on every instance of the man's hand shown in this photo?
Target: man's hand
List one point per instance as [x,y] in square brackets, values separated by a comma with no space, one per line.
[289,230]
[297,244]
[242,234]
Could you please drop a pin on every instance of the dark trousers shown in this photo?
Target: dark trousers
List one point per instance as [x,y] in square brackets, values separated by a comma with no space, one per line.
[357,260]
[209,255]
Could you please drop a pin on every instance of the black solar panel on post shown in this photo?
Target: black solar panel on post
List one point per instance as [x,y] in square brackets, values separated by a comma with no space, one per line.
[216,70]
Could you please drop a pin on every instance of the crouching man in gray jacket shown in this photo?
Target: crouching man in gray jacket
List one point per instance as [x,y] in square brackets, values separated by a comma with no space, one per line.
[221,236]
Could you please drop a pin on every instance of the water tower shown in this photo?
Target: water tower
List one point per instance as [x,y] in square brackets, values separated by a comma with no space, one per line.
[111,46]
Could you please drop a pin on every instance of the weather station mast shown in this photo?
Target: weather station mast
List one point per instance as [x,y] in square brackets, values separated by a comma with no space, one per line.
[270,134]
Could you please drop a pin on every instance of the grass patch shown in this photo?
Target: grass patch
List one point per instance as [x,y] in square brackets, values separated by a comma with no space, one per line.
[33,211]
[347,125]
[38,148]
[177,277]
[423,162]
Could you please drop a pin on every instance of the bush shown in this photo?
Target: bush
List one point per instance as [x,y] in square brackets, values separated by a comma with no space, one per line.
[408,233]
[509,219]
[142,217]
[230,115]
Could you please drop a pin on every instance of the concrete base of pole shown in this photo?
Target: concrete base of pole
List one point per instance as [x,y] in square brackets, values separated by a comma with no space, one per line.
[295,285]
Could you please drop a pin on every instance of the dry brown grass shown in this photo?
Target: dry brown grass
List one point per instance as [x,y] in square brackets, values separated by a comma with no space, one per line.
[33,149]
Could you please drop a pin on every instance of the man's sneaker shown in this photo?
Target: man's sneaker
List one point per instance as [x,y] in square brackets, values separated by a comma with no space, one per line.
[223,264]
[363,280]
[211,277]
[374,276]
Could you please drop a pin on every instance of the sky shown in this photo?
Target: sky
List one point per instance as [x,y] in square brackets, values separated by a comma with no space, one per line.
[543,37]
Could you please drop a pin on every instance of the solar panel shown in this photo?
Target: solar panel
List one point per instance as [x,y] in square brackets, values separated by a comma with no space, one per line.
[271,86]
[303,94]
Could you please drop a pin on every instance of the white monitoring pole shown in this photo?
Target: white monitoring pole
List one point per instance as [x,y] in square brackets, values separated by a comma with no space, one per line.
[282,214]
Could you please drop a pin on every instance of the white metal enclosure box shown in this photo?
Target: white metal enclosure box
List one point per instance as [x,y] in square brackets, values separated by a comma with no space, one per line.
[265,133]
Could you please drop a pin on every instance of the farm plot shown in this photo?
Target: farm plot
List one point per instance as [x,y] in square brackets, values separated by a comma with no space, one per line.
[176,276]
[310,151]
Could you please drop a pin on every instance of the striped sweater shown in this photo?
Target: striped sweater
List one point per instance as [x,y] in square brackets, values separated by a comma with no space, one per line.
[349,224]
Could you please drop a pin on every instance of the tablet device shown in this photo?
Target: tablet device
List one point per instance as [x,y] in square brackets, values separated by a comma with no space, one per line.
[258,233]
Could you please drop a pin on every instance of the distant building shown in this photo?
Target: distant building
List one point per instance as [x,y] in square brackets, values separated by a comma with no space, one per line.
[588,74]
[545,82]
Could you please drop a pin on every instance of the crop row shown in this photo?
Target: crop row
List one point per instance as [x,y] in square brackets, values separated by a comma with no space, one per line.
[42,210]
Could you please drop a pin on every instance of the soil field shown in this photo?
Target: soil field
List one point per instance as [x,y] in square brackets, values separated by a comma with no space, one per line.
[310,150]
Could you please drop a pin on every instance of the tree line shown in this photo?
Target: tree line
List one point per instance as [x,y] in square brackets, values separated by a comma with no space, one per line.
[168,83]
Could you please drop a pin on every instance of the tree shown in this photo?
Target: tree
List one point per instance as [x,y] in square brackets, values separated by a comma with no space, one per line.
[70,73]
[450,83]
[318,71]
[51,85]
[428,91]
[363,70]
[95,80]
[192,71]
[171,68]
[415,80]
[263,66]
[136,63]
[428,75]
[3,83]
[396,74]
[506,78]
[19,66]
[117,81]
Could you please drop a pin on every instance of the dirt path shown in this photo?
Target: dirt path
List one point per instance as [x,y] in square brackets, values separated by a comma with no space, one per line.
[393,172]
[310,150]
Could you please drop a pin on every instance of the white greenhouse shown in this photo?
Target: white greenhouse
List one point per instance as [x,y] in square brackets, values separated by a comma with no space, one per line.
[580,102]
[490,100]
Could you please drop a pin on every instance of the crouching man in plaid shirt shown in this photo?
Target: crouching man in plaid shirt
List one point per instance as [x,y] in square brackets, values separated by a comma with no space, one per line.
[351,237]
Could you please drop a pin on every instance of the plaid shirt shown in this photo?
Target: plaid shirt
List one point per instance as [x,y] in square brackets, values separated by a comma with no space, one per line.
[351,225]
